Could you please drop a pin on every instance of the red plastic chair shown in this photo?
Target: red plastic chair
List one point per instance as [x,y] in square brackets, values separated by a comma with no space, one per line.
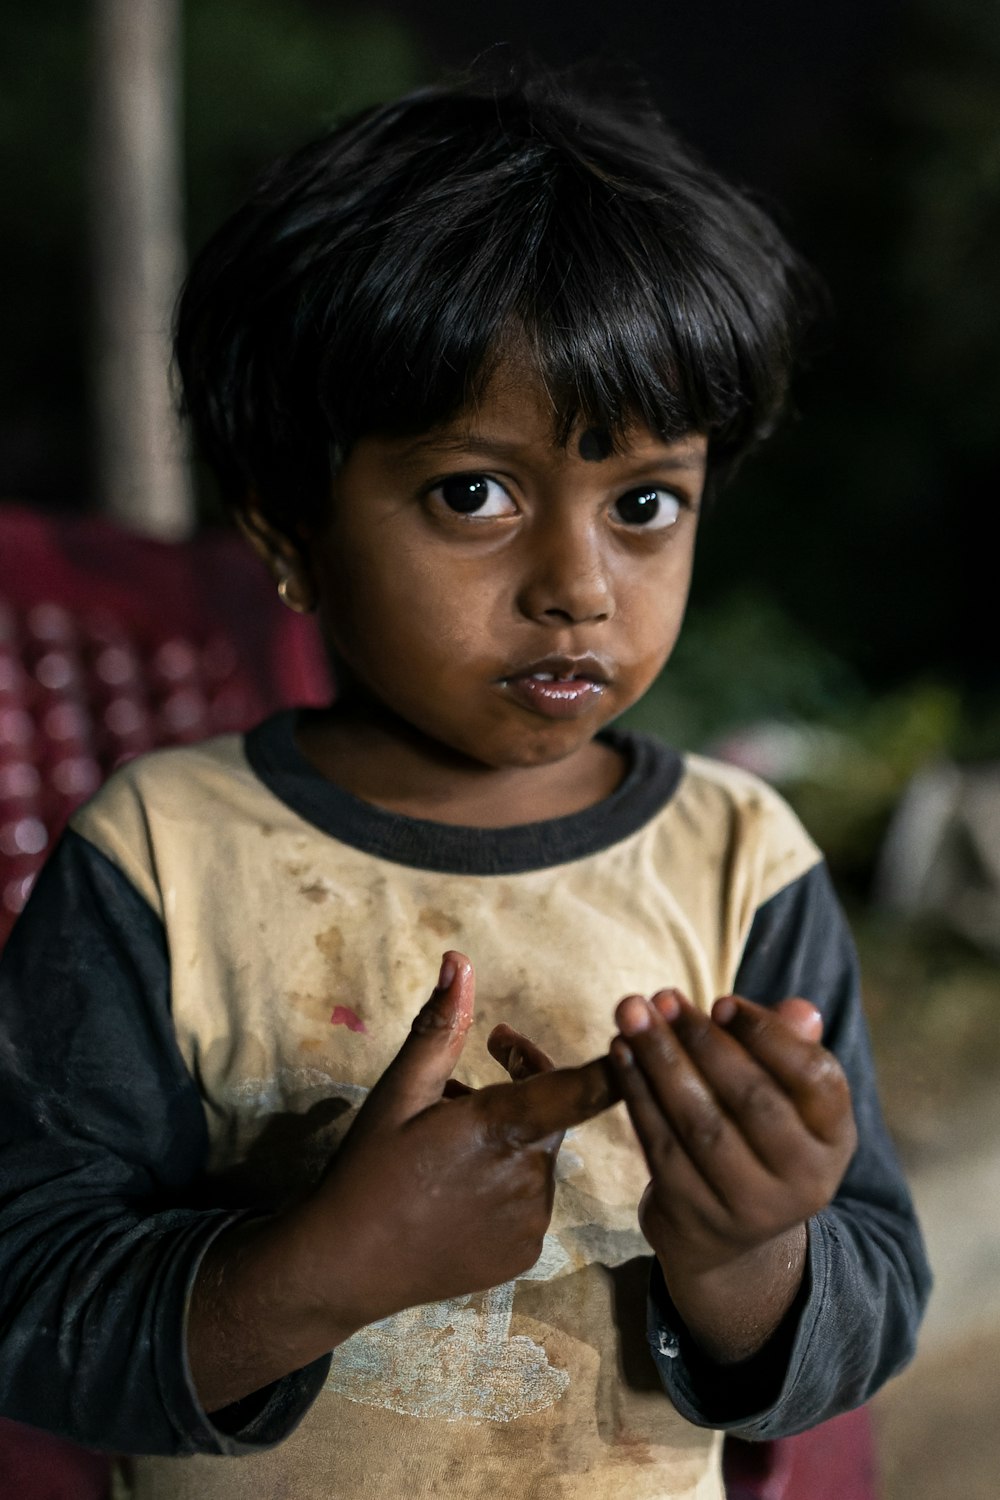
[835,1461]
[111,644]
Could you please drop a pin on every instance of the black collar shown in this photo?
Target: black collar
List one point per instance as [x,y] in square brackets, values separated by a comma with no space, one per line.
[648,784]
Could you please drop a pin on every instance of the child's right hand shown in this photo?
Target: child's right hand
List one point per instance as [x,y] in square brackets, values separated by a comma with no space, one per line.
[436,1192]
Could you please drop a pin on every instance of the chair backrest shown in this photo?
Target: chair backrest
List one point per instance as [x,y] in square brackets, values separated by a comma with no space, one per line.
[835,1461]
[111,644]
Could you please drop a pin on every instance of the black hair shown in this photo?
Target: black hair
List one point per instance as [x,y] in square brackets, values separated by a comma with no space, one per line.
[374,279]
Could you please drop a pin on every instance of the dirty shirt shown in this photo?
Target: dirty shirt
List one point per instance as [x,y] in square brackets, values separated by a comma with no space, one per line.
[220,960]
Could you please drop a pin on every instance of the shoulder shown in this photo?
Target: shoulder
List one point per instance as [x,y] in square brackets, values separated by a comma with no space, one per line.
[174,795]
[174,783]
[717,783]
[732,815]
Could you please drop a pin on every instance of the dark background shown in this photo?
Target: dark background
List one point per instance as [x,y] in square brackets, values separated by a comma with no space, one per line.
[872,130]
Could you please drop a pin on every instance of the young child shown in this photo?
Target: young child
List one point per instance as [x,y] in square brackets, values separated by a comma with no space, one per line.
[466,368]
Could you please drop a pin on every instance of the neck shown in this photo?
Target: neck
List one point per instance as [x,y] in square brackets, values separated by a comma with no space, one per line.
[390,764]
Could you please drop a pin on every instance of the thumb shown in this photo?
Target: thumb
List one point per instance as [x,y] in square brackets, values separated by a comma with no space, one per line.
[418,1073]
[802,1017]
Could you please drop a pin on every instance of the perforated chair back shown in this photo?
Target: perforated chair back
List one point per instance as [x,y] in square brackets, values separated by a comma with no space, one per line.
[112,644]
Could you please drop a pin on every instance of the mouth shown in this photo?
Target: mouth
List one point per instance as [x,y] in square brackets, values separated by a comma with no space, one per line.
[558,687]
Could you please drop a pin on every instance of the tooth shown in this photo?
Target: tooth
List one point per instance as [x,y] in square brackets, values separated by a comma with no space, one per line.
[543,676]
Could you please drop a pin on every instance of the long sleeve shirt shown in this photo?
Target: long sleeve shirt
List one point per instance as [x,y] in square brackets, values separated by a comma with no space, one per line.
[218,963]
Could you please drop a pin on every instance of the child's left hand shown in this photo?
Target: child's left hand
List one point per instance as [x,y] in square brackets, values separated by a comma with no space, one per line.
[747,1127]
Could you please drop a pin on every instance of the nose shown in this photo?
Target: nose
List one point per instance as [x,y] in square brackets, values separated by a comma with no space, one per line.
[566,577]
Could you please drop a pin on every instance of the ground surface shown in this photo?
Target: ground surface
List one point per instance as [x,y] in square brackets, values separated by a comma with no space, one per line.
[937,1425]
[935,1013]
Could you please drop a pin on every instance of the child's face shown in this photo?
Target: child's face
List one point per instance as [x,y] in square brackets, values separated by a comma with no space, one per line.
[505,596]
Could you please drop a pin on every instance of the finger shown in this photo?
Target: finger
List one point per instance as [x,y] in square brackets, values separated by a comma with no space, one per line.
[517,1053]
[807,1072]
[549,1103]
[763,1114]
[802,1016]
[418,1073]
[675,1176]
[687,1094]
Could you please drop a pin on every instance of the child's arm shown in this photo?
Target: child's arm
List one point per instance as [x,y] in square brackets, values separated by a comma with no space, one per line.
[861,1273]
[427,1198]
[747,1128]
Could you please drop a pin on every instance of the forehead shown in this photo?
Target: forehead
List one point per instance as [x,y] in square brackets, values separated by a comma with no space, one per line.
[515,413]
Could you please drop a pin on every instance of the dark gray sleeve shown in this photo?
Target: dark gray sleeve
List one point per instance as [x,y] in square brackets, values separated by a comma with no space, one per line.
[102,1148]
[867,1281]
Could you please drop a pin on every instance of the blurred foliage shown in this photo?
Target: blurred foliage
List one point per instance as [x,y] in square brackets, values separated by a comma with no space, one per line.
[747,684]
[739,661]
[846,799]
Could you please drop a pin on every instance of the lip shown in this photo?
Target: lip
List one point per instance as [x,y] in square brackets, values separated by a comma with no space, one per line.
[588,665]
[558,687]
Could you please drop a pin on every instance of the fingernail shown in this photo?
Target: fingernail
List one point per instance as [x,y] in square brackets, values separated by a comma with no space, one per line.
[633,1015]
[622,1053]
[724,1010]
[668,1004]
[449,969]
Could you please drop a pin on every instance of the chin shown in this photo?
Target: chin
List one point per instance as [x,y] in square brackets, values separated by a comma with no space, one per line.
[542,750]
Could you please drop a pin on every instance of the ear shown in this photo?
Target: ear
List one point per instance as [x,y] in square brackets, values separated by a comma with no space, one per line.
[284,558]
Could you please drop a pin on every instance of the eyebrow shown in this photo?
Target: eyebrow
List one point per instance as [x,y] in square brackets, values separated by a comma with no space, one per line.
[690,462]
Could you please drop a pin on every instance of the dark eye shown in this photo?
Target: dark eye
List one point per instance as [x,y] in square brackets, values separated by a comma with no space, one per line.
[651,508]
[474,495]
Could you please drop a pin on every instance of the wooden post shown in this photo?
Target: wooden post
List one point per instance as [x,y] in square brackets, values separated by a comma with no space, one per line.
[138,258]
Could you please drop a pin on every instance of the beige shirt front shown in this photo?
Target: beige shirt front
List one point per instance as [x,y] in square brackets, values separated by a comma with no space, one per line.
[298,962]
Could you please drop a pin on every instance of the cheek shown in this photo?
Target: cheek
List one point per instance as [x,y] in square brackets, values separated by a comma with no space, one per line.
[390,611]
[652,613]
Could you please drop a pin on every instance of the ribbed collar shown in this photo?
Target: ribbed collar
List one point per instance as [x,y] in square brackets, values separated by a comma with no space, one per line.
[649,783]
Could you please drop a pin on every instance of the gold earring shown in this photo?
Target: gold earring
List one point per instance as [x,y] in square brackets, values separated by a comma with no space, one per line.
[286,585]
